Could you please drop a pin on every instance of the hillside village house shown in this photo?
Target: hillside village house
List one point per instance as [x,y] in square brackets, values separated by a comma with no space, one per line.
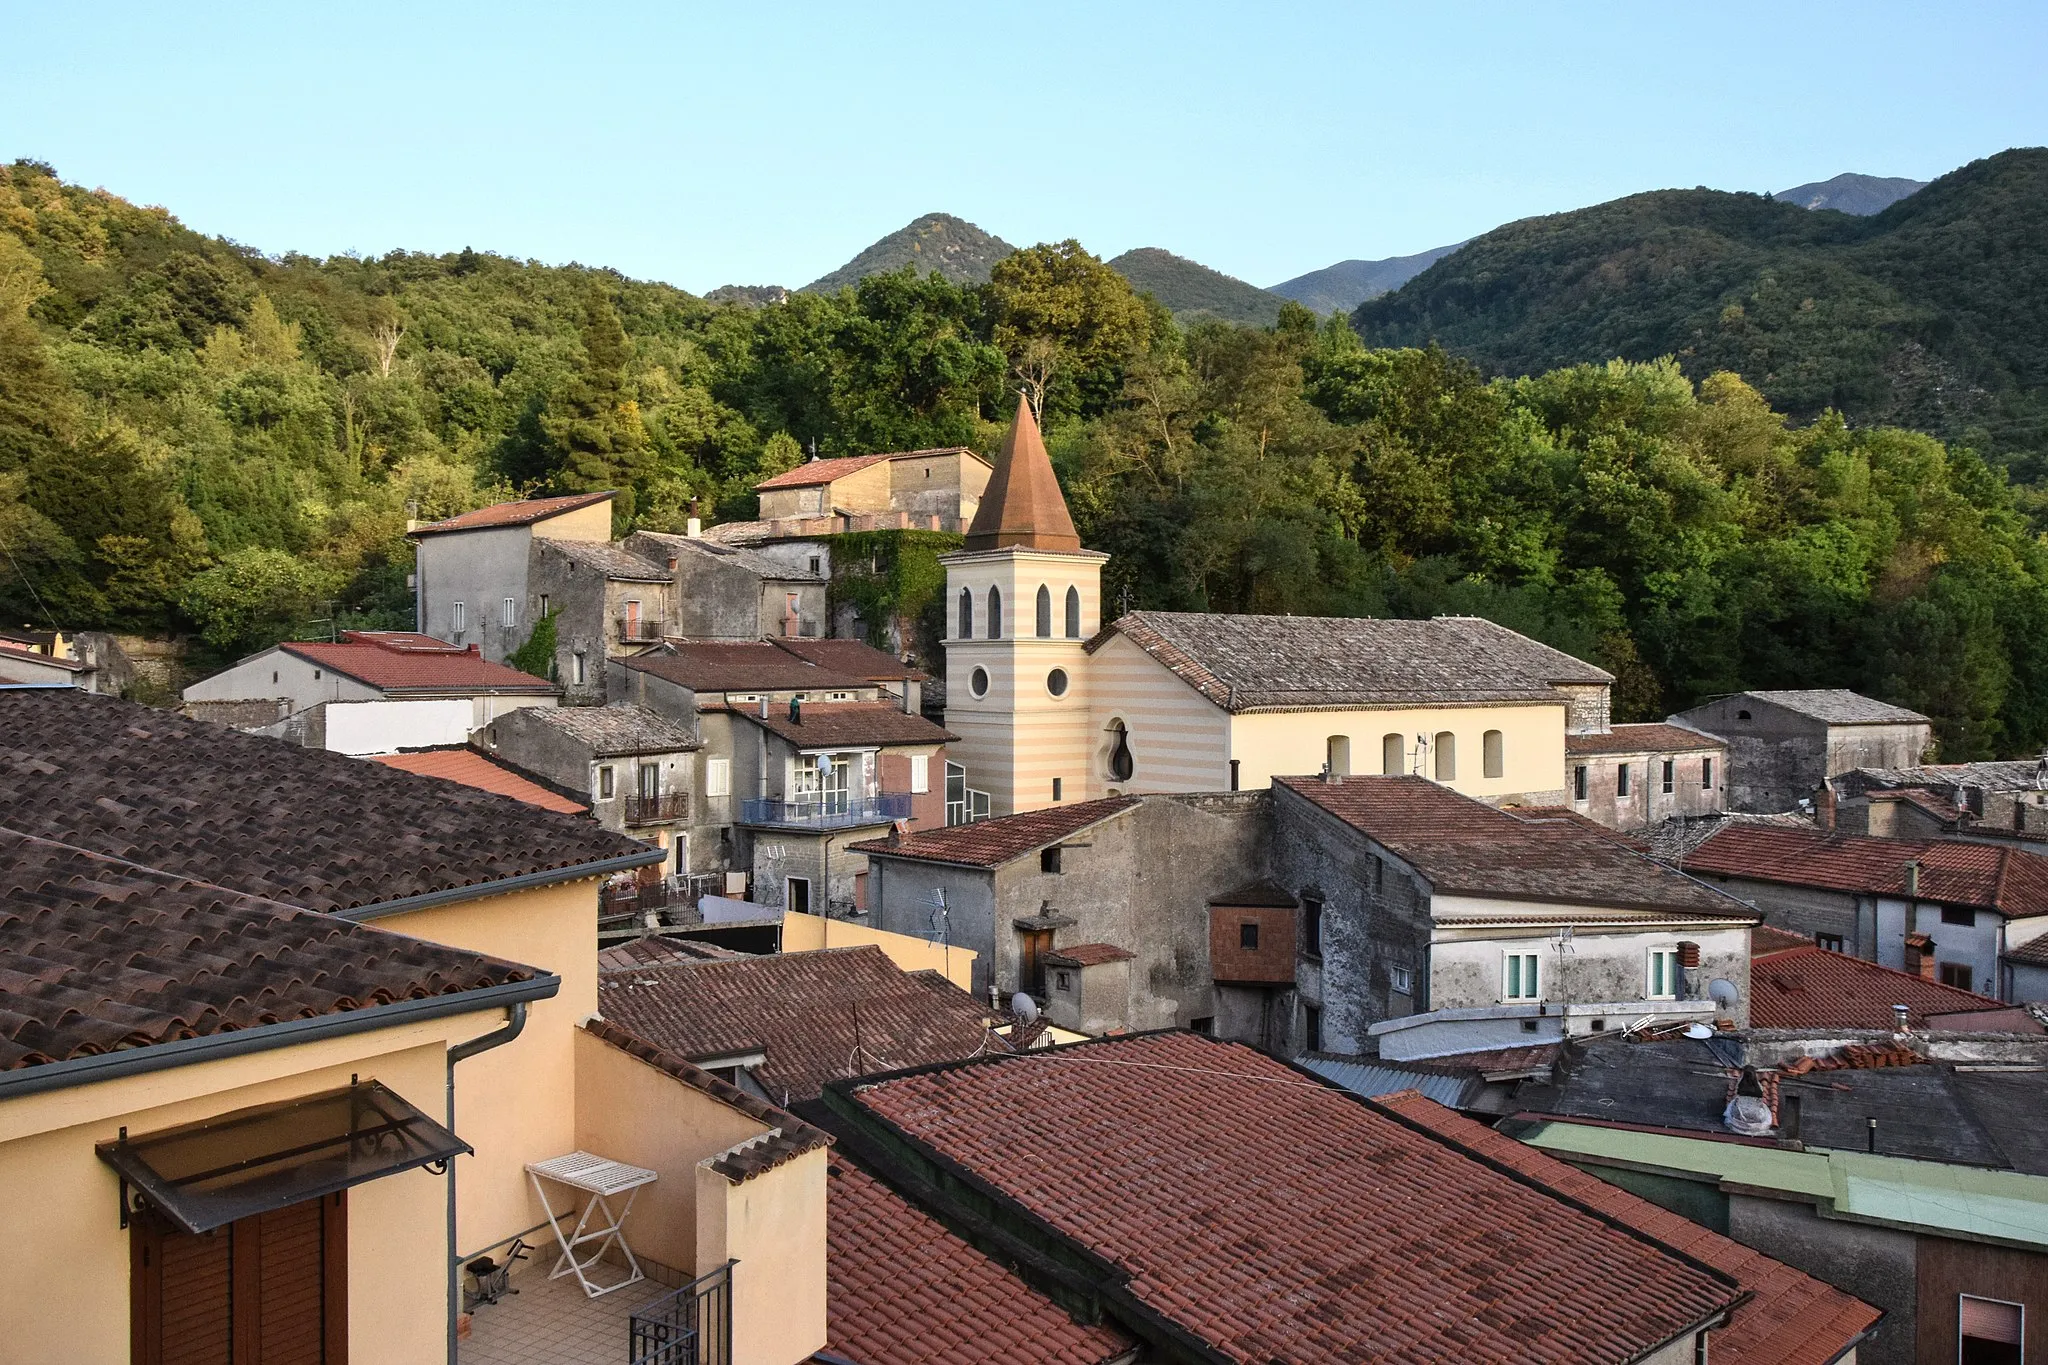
[728,592]
[471,572]
[371,692]
[85,659]
[801,508]
[376,951]
[1997,802]
[1784,746]
[1634,777]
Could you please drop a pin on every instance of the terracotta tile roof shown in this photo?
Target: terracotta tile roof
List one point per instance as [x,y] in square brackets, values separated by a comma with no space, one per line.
[1768,938]
[615,728]
[1275,1217]
[472,769]
[304,826]
[1462,845]
[1945,811]
[1792,1318]
[902,1289]
[819,1016]
[2011,881]
[609,560]
[523,513]
[1089,955]
[833,723]
[1809,987]
[1023,505]
[1309,663]
[788,1135]
[1641,739]
[2034,952]
[991,843]
[1839,706]
[738,666]
[99,955]
[814,472]
[414,663]
[851,658]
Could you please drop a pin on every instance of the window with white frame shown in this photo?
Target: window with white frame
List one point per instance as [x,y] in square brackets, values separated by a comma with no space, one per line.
[1522,976]
[509,616]
[1403,980]
[920,773]
[718,777]
[1663,974]
[458,617]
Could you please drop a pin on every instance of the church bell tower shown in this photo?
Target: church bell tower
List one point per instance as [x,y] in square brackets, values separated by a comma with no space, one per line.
[1022,598]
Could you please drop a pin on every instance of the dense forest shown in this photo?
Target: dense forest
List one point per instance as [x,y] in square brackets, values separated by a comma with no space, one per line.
[197,439]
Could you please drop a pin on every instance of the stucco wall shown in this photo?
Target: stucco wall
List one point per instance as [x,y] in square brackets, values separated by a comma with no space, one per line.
[1877,1265]
[479,569]
[774,1226]
[1647,802]
[1600,965]
[810,933]
[904,895]
[275,673]
[1295,743]
[1949,1269]
[1777,757]
[384,727]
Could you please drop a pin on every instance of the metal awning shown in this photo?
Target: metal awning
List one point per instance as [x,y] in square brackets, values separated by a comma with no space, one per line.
[205,1175]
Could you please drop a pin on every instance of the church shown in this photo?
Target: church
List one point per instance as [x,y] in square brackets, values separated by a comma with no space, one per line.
[1052,706]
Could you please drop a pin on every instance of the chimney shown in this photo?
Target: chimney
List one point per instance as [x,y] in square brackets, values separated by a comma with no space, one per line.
[1913,878]
[1899,1024]
[1689,956]
[1920,956]
[673,564]
[693,528]
[764,706]
[1824,807]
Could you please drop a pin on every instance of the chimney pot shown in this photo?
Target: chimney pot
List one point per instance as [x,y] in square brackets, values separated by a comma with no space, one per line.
[1899,1017]
[764,706]
[693,528]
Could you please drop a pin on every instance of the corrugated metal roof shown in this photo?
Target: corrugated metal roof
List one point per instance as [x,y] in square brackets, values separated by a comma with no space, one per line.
[1372,1079]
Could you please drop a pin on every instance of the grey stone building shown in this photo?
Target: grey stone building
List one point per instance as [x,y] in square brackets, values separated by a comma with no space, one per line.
[471,572]
[1631,777]
[604,601]
[728,592]
[2000,802]
[1784,746]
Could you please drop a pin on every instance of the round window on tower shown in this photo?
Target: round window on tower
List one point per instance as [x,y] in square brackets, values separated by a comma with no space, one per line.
[977,682]
[1056,682]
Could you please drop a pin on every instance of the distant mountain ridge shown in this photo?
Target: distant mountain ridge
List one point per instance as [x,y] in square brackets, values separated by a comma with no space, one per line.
[938,242]
[1342,287]
[1192,291]
[1852,193]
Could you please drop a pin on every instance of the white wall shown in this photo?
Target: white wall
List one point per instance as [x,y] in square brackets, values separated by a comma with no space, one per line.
[384,727]
[1973,945]
[1606,964]
[276,673]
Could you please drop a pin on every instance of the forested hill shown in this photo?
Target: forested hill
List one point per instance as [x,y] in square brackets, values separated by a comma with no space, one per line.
[952,247]
[1192,291]
[1932,314]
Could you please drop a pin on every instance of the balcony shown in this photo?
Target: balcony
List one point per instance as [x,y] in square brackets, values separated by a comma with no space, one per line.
[828,811]
[692,1326]
[553,1322]
[657,810]
[640,630]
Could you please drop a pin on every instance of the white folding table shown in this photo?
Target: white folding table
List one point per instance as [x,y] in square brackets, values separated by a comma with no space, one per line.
[601,1179]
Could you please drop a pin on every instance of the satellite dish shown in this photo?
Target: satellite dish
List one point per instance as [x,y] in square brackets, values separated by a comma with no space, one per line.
[1698,1031]
[1024,1007]
[1723,993]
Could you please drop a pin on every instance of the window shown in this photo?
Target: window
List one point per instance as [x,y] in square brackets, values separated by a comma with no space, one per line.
[508,614]
[1311,927]
[316,675]
[1988,1331]
[459,616]
[920,773]
[273,675]
[1379,874]
[1073,613]
[718,777]
[1056,682]
[1706,774]
[1742,715]
[1621,779]
[1522,978]
[1393,755]
[1233,774]
[966,615]
[1670,775]
[1579,782]
[1446,747]
[956,794]
[1337,755]
[796,895]
[1057,787]
[1204,1024]
[648,779]
[1049,859]
[543,604]
[1121,763]
[1493,754]
[995,613]
[579,668]
[817,564]
[1403,980]
[1831,942]
[607,783]
[1043,620]
[1663,973]
[1311,1028]
[1957,974]
[1062,981]
[1248,935]
[977,682]
[1958,914]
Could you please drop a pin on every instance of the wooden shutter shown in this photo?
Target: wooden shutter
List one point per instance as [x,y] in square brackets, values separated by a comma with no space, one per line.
[268,1290]
[1989,1320]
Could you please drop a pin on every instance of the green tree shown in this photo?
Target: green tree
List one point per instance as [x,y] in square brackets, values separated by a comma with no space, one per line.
[1069,326]
[594,422]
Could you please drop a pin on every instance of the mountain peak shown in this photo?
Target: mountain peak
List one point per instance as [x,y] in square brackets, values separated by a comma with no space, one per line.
[952,247]
[1850,192]
[1192,291]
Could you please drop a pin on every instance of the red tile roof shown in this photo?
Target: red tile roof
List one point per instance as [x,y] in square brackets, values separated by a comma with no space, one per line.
[1809,987]
[814,472]
[2013,882]
[405,662]
[1641,739]
[991,843]
[1766,938]
[472,769]
[1793,1319]
[522,513]
[1089,955]
[902,1289]
[739,666]
[853,658]
[833,723]
[819,1016]
[1278,1218]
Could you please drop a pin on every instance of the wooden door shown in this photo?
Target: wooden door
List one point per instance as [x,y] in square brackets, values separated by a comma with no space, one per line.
[267,1290]
[1037,943]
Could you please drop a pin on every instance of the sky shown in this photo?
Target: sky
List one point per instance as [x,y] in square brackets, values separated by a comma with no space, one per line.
[764,143]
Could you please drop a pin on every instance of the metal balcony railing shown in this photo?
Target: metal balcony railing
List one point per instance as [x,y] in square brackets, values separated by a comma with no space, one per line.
[827,811]
[657,810]
[692,1326]
[645,630]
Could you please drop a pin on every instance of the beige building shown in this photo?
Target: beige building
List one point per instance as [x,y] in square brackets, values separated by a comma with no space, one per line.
[936,490]
[1052,706]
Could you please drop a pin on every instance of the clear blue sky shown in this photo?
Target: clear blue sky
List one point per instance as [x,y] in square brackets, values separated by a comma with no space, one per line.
[766,143]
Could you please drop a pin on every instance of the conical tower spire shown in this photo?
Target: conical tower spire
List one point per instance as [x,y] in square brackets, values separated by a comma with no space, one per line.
[1022,504]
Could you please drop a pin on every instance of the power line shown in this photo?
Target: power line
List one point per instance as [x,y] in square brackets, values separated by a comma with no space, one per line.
[48,619]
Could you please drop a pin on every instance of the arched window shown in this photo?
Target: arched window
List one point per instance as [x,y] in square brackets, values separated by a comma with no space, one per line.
[995,613]
[1121,763]
[1073,613]
[1393,755]
[1493,754]
[966,615]
[1446,746]
[1044,621]
[1337,753]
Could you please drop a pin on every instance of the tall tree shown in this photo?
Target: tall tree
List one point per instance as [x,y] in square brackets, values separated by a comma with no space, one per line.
[595,422]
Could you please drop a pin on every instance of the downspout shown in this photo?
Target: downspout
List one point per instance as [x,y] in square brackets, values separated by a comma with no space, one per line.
[515,1024]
